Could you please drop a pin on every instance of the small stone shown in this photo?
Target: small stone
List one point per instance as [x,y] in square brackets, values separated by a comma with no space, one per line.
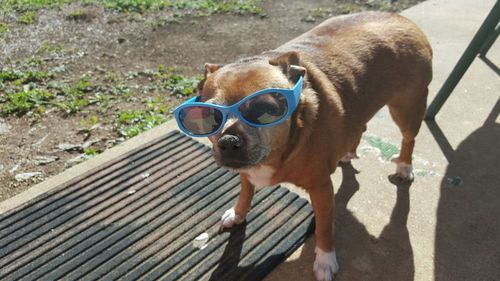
[69,146]
[201,240]
[95,126]
[82,130]
[40,141]
[455,181]
[14,168]
[4,128]
[78,159]
[27,176]
[89,143]
[309,19]
[44,159]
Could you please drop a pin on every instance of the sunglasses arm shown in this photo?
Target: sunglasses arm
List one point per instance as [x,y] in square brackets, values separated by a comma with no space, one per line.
[297,90]
[193,99]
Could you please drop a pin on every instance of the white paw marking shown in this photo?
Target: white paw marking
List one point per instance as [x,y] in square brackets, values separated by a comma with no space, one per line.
[260,176]
[348,157]
[230,218]
[325,265]
[403,170]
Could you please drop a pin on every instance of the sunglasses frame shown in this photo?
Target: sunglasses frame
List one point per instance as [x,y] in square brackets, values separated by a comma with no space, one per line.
[292,98]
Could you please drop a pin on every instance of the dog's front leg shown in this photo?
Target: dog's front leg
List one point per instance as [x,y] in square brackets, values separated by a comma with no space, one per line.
[323,203]
[237,214]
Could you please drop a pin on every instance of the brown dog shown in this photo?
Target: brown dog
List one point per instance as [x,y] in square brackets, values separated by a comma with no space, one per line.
[352,66]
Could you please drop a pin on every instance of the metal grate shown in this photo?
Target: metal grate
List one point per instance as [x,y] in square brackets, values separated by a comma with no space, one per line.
[136,216]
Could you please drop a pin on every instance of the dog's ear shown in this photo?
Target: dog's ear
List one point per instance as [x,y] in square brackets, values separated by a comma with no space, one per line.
[209,69]
[290,65]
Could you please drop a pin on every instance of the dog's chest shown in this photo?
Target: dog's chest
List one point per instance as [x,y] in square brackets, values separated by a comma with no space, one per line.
[261,176]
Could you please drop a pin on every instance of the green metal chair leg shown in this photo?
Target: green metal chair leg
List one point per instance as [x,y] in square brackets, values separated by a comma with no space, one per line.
[479,40]
[489,42]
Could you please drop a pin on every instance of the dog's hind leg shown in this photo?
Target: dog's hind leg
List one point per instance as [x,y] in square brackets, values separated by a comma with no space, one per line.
[352,153]
[407,111]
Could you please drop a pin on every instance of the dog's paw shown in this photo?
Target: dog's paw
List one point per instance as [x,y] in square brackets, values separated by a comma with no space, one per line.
[325,265]
[348,157]
[230,218]
[403,170]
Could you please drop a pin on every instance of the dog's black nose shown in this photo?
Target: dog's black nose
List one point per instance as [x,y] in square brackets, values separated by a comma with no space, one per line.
[230,142]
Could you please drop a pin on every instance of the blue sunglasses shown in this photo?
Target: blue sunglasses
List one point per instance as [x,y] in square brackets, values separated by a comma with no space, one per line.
[263,108]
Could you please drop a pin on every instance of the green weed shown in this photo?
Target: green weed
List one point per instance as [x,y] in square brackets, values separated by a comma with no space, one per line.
[109,76]
[49,48]
[76,14]
[22,102]
[89,122]
[90,151]
[27,18]
[33,61]
[75,97]
[122,90]
[181,85]
[102,100]
[24,5]
[31,76]
[9,75]
[380,5]
[130,123]
[200,7]
[3,28]
[20,78]
[358,6]
[337,9]
[176,83]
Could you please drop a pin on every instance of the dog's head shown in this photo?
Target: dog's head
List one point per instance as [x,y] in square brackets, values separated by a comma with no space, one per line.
[239,146]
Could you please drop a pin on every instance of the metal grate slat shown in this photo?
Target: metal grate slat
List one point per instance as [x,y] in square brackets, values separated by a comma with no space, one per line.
[135,217]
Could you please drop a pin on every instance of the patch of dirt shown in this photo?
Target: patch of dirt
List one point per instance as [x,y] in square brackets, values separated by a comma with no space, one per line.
[98,41]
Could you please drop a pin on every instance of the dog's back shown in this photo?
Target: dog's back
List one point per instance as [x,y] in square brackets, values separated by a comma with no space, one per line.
[370,58]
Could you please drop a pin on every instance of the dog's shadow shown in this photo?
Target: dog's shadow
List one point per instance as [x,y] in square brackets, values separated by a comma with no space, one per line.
[362,256]
[229,266]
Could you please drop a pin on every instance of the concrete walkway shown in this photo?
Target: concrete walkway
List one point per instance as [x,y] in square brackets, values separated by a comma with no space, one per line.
[445,226]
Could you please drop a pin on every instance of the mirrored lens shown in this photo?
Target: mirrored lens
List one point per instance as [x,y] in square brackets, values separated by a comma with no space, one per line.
[200,120]
[264,109]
